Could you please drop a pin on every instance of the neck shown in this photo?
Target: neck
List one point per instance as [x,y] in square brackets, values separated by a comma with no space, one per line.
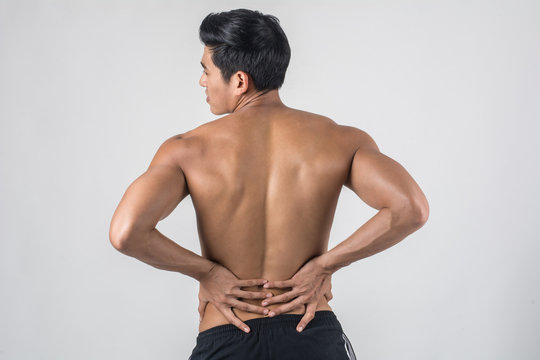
[258,98]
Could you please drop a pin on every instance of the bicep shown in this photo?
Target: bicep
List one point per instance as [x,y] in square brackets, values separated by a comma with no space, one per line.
[153,195]
[381,181]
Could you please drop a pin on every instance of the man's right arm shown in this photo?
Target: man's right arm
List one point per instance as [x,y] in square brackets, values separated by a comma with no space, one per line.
[385,185]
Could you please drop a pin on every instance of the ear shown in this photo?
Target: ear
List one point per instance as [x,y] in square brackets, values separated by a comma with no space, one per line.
[241,82]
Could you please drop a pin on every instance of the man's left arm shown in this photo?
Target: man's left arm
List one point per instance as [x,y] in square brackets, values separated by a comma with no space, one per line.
[148,200]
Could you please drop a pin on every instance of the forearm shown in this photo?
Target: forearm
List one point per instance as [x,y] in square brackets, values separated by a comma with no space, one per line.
[377,234]
[159,251]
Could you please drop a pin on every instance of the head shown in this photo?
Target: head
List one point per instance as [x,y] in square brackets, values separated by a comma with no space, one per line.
[245,52]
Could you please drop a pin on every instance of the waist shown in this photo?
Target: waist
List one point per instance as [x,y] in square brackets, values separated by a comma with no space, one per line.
[212,317]
[322,318]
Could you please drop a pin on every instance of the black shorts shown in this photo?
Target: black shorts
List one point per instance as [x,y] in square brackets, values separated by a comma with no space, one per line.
[276,338]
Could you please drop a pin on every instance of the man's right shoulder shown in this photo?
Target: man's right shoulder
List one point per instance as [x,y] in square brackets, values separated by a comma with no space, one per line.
[359,138]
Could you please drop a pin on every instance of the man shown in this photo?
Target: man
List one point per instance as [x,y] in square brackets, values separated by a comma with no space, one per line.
[264,181]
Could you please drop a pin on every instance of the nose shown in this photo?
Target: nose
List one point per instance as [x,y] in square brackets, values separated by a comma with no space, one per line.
[202,80]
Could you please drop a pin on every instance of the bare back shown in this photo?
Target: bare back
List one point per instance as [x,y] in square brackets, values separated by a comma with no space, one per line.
[265,184]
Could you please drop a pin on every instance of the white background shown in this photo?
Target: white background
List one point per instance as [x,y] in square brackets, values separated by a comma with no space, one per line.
[449,89]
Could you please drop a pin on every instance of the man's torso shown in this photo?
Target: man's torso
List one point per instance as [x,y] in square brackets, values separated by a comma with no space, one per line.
[265,185]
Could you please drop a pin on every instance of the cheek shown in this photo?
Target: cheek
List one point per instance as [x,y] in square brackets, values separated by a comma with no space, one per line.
[215,88]
[210,85]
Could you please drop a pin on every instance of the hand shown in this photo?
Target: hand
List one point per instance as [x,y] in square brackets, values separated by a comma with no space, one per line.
[222,288]
[309,284]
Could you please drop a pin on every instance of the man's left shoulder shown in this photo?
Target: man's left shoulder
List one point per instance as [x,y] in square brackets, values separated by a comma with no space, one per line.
[181,147]
[181,140]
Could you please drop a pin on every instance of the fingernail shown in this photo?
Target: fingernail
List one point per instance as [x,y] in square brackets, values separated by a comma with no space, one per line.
[265,285]
[265,311]
[269,295]
[246,329]
[265,303]
[300,329]
[272,313]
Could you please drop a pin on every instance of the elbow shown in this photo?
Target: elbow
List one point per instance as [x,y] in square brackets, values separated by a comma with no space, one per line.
[412,213]
[118,242]
[119,237]
[418,211]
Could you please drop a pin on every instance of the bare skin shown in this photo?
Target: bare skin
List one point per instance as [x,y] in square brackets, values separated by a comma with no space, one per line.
[265,185]
[264,182]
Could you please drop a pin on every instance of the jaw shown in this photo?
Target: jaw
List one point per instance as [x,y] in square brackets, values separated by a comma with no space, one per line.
[222,108]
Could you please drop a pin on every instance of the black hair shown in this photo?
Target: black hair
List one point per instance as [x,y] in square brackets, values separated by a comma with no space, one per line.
[249,41]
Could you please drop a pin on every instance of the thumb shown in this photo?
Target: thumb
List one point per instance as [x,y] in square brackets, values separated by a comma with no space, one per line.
[328,295]
[202,307]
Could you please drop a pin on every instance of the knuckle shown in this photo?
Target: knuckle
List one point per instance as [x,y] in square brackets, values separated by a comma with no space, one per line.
[288,295]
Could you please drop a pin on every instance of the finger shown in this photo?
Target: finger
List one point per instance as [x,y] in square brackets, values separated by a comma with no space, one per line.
[308,316]
[250,307]
[329,295]
[285,297]
[229,315]
[251,282]
[279,284]
[250,294]
[202,307]
[287,307]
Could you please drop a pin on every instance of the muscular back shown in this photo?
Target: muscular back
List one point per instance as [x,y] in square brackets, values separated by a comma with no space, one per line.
[265,183]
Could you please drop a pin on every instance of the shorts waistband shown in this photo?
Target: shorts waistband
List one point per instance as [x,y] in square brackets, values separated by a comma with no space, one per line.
[322,317]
